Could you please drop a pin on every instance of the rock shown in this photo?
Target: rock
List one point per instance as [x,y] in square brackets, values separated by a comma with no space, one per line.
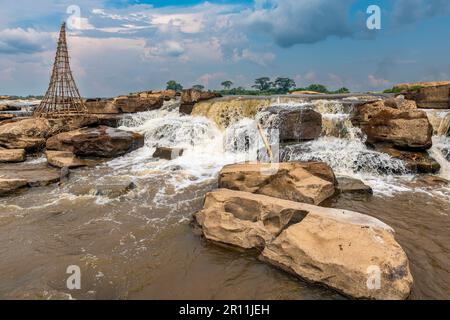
[305,92]
[31,133]
[404,128]
[350,185]
[6,116]
[34,175]
[133,104]
[245,220]
[431,181]
[446,153]
[415,161]
[294,124]
[8,186]
[12,155]
[8,107]
[309,182]
[428,95]
[167,153]
[64,159]
[113,189]
[343,250]
[191,96]
[163,94]
[96,142]
[101,106]
[109,120]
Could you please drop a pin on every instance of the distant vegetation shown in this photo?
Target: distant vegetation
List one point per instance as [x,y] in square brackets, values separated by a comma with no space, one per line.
[29,97]
[173,85]
[399,90]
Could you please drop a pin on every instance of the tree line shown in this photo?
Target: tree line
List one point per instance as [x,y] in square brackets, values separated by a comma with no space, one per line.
[262,86]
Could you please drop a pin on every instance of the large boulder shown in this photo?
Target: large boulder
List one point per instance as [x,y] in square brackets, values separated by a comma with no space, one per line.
[428,95]
[294,124]
[351,185]
[34,175]
[101,106]
[12,155]
[245,220]
[332,247]
[351,253]
[132,104]
[402,126]
[101,141]
[309,182]
[163,94]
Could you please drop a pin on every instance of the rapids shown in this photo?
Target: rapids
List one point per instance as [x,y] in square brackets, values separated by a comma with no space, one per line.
[140,244]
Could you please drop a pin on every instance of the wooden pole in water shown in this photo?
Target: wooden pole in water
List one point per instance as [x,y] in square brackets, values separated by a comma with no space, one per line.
[266,142]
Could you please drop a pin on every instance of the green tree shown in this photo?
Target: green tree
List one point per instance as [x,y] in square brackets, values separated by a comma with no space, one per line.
[173,85]
[227,84]
[198,87]
[342,90]
[263,84]
[284,84]
[318,88]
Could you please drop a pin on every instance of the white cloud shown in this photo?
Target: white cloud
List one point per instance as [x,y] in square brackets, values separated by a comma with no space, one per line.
[18,40]
[260,58]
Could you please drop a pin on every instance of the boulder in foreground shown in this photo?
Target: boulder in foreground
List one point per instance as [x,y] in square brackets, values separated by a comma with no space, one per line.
[337,248]
[350,185]
[309,182]
[101,141]
[34,175]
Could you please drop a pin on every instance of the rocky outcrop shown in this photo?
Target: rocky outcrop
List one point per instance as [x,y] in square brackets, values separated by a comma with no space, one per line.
[167,153]
[191,96]
[415,161]
[402,126]
[64,159]
[161,94]
[96,142]
[332,247]
[34,175]
[6,116]
[428,95]
[125,104]
[8,107]
[350,185]
[12,155]
[349,252]
[294,124]
[31,133]
[309,182]
[8,186]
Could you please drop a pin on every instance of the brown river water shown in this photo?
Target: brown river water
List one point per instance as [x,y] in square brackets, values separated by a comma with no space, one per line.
[141,245]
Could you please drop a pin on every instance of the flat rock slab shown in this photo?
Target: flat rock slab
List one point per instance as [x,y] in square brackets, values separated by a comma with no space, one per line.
[337,248]
[309,182]
[34,175]
[8,186]
[12,155]
[350,185]
[63,159]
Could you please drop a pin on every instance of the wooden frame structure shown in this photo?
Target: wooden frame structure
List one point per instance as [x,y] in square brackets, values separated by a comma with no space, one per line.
[62,98]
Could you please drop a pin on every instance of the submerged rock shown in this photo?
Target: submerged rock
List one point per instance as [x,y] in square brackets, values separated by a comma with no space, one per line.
[64,159]
[309,182]
[294,124]
[402,126]
[96,142]
[415,161]
[112,189]
[167,153]
[337,248]
[12,155]
[34,175]
[8,186]
[350,185]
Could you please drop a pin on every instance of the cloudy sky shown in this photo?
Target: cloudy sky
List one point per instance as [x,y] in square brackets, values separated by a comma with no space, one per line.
[121,46]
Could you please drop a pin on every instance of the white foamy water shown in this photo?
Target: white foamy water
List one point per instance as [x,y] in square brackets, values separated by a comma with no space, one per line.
[207,148]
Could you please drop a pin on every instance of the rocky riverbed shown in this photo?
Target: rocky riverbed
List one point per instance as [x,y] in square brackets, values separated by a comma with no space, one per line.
[85,193]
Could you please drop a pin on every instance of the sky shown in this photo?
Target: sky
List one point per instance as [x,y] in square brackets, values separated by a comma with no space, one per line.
[122,46]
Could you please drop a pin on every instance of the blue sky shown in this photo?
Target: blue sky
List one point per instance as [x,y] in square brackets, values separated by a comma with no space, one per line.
[121,46]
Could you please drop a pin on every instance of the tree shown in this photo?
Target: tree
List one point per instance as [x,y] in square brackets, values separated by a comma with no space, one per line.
[198,87]
[317,88]
[173,85]
[227,84]
[342,90]
[284,84]
[262,84]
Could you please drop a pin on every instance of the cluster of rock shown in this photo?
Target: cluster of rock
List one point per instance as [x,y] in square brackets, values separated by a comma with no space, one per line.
[427,95]
[191,96]
[5,112]
[273,208]
[396,127]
